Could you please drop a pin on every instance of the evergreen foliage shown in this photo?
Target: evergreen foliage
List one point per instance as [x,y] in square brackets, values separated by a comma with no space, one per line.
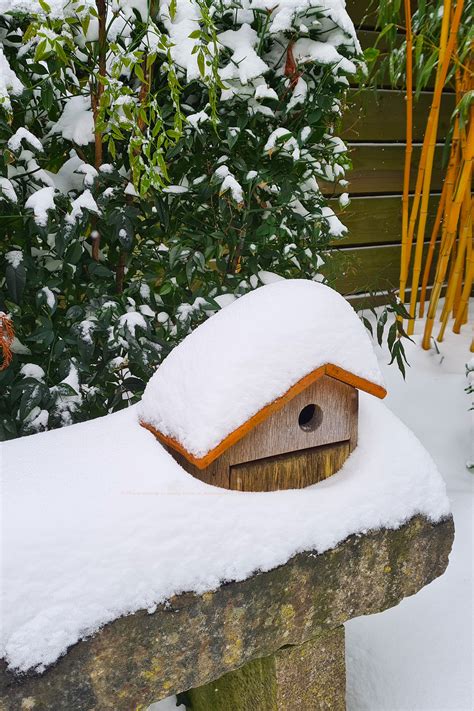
[157,161]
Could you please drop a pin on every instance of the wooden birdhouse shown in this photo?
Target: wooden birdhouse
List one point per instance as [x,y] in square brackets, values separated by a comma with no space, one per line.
[272,381]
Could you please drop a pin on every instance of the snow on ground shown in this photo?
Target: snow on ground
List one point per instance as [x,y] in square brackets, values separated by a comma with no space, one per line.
[419,655]
[99,521]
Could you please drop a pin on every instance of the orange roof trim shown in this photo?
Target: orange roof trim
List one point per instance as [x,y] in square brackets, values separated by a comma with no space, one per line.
[333,371]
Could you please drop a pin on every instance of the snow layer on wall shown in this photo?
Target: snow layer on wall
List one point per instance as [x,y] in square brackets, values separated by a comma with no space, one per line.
[99,521]
[249,354]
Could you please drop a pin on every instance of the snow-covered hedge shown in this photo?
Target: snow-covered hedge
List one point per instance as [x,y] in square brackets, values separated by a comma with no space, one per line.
[158,160]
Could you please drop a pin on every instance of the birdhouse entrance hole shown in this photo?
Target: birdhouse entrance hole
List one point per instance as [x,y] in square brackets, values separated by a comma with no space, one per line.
[310,418]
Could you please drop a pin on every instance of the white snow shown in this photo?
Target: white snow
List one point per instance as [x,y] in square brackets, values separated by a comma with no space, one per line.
[344,199]
[290,145]
[84,201]
[22,134]
[336,228]
[185,21]
[14,258]
[168,704]
[9,82]
[86,329]
[418,656]
[40,202]
[263,91]
[93,523]
[89,172]
[308,50]
[66,405]
[249,354]
[49,296]
[76,122]
[37,419]
[299,94]
[197,118]
[57,8]
[245,63]
[130,321]
[229,183]
[175,189]
[31,370]
[7,190]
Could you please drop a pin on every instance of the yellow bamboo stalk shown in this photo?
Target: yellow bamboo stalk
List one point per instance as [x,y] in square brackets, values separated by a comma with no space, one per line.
[404,261]
[461,187]
[452,261]
[464,300]
[465,225]
[450,270]
[446,49]
[431,248]
[469,258]
[457,274]
[426,142]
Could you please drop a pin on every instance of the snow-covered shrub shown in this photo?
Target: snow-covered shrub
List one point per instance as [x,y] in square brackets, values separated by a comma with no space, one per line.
[158,160]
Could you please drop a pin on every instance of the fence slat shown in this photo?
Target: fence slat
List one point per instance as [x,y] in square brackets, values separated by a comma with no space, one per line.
[380,116]
[361,270]
[376,220]
[378,169]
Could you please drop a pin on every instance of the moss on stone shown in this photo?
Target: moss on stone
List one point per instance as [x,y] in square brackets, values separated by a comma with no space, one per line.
[194,639]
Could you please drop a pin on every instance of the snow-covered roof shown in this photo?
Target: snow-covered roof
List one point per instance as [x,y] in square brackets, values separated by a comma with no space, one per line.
[99,521]
[270,343]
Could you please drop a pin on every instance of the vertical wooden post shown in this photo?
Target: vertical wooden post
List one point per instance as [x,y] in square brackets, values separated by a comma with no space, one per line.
[310,676]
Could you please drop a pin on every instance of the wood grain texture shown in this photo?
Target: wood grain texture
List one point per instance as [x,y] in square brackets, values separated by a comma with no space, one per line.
[362,12]
[380,115]
[293,470]
[263,414]
[361,270]
[368,38]
[280,434]
[378,169]
[376,220]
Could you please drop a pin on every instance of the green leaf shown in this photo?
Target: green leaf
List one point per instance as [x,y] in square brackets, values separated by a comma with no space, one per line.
[16,280]
[382,320]
[74,252]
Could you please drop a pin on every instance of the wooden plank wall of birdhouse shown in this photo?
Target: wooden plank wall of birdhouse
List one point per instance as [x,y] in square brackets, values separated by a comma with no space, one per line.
[281,433]
[294,470]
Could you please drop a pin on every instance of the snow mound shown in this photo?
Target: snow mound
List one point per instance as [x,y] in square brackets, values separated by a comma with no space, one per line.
[99,521]
[249,354]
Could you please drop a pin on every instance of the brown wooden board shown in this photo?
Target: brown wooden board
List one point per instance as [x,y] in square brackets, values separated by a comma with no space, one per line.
[293,470]
[376,220]
[281,433]
[378,169]
[362,12]
[368,38]
[380,116]
[284,432]
[362,270]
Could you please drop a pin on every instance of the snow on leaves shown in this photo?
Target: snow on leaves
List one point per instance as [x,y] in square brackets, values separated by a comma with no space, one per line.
[145,187]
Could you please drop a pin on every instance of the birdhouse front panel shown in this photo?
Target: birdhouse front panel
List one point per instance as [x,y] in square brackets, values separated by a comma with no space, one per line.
[305,441]
[324,413]
[308,440]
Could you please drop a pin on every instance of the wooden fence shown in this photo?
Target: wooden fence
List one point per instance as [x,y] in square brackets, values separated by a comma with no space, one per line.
[374,128]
